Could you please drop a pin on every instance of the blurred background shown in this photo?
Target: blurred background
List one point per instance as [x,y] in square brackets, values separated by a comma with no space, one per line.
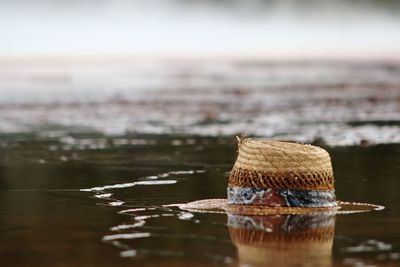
[299,70]
[284,29]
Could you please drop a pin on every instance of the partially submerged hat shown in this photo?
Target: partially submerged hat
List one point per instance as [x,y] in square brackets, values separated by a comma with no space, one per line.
[273,177]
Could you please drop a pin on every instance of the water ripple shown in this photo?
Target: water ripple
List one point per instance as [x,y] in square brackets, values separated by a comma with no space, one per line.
[125,236]
[126,185]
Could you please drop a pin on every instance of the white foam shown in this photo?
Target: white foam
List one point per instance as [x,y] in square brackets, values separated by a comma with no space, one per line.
[128,253]
[145,217]
[132,210]
[125,236]
[162,182]
[116,203]
[125,185]
[127,226]
[107,195]
[185,216]
[369,246]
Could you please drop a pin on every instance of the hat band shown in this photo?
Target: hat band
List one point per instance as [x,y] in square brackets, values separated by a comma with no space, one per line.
[286,223]
[281,197]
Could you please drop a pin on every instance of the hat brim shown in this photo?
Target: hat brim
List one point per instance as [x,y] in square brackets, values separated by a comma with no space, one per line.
[221,206]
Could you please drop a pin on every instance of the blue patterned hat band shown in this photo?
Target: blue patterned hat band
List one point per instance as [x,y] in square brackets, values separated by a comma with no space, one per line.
[283,224]
[281,197]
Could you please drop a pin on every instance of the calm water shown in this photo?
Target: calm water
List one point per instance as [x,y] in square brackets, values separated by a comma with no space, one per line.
[54,213]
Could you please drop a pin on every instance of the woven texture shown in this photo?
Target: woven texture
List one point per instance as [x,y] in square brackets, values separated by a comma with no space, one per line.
[283,240]
[281,165]
[299,238]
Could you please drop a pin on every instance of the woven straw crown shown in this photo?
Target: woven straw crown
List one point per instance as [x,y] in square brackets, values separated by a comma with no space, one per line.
[282,165]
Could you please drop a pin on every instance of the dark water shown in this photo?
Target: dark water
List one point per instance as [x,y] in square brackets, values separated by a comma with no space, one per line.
[47,220]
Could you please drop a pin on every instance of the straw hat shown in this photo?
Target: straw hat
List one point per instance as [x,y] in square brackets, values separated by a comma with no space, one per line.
[283,240]
[272,177]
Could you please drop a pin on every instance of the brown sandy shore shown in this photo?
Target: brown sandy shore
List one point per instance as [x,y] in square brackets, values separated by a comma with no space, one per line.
[339,103]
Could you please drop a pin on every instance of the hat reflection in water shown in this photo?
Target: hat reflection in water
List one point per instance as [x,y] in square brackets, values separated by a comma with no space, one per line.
[273,177]
[283,240]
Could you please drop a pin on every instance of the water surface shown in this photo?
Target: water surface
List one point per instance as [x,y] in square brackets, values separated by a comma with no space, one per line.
[98,201]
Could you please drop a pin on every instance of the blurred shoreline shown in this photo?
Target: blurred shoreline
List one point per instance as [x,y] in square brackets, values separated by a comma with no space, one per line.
[337,102]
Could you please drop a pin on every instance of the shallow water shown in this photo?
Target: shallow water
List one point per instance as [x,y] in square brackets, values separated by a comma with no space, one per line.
[98,201]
